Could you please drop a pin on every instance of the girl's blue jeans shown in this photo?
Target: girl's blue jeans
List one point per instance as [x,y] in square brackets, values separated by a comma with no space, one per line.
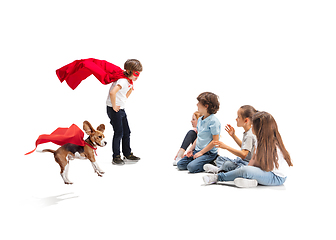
[227,164]
[250,172]
[196,165]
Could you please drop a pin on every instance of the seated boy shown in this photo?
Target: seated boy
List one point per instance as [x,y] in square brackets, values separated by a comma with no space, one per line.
[203,150]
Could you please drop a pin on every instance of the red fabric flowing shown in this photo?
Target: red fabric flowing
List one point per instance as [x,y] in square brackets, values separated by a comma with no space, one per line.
[61,136]
[74,73]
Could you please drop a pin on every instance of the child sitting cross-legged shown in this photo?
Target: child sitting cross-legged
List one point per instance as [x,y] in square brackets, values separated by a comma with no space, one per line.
[203,150]
[270,162]
[244,154]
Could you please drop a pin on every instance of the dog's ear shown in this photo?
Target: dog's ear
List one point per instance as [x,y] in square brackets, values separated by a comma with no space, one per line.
[88,128]
[101,128]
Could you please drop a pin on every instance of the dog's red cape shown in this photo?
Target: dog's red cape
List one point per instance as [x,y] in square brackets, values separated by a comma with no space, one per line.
[61,136]
[74,73]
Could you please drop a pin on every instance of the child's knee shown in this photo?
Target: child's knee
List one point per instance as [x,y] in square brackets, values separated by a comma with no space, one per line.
[243,172]
[193,167]
[118,133]
[229,166]
[181,165]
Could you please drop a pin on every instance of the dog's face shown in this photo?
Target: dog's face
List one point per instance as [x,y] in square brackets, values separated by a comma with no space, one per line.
[96,136]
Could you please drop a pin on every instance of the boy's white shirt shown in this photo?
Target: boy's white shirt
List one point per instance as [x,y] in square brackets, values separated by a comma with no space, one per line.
[121,97]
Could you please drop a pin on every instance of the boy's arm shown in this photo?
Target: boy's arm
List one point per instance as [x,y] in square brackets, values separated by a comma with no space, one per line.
[208,147]
[239,153]
[113,94]
[129,93]
[191,149]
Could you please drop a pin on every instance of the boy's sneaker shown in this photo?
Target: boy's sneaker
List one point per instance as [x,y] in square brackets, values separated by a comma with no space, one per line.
[245,183]
[210,179]
[209,168]
[117,160]
[131,157]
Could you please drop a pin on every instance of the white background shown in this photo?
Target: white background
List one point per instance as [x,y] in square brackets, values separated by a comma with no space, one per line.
[278,56]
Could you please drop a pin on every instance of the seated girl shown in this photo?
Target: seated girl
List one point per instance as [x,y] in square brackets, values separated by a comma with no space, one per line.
[269,164]
[188,139]
[244,154]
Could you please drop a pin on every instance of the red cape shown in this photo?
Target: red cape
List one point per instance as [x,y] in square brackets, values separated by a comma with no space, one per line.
[74,73]
[61,136]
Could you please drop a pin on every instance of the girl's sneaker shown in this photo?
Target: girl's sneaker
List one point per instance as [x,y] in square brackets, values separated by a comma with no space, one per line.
[210,179]
[209,168]
[176,161]
[245,183]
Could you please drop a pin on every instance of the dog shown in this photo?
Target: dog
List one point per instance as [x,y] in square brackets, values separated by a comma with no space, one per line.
[71,151]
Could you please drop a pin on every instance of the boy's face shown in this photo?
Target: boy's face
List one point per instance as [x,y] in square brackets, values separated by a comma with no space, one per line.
[202,109]
[135,76]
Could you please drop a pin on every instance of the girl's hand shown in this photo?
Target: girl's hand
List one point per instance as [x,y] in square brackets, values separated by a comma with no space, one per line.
[197,155]
[116,108]
[189,153]
[219,144]
[230,130]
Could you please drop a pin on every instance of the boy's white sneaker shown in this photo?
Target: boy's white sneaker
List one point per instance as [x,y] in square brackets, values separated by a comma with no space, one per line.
[209,168]
[245,183]
[210,179]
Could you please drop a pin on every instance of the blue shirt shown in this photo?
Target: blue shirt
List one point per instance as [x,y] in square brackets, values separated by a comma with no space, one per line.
[205,130]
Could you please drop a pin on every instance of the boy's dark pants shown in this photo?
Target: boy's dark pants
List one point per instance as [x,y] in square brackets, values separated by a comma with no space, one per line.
[121,130]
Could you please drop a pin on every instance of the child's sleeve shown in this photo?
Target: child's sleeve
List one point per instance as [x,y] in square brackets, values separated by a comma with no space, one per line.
[215,127]
[248,144]
[123,83]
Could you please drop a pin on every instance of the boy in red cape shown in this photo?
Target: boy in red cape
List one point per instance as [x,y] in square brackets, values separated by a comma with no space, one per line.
[116,102]
[74,73]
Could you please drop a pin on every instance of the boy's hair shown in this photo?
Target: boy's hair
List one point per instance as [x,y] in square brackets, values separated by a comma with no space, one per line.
[210,99]
[132,65]
[247,112]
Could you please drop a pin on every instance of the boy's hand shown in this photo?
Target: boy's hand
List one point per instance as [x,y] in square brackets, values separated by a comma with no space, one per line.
[230,130]
[116,108]
[197,155]
[189,153]
[219,144]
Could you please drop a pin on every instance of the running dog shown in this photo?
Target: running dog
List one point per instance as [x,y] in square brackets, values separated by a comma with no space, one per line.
[71,151]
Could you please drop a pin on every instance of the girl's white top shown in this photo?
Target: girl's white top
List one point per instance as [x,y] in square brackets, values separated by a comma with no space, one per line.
[282,170]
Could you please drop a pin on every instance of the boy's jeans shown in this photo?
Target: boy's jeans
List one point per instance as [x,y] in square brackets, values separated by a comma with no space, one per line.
[251,172]
[121,130]
[196,165]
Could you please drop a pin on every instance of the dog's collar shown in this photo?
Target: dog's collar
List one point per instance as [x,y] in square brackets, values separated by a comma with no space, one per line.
[88,144]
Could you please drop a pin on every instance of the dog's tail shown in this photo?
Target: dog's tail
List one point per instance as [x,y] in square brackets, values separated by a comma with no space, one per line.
[48,150]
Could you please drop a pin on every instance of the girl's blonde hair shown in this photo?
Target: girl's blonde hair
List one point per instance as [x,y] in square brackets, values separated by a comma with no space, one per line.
[197,114]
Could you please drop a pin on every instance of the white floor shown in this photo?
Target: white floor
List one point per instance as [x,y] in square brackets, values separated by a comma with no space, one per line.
[142,201]
[276,56]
